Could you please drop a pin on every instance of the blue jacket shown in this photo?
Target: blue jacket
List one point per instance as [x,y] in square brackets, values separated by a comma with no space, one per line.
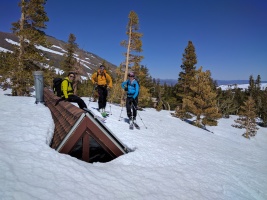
[133,88]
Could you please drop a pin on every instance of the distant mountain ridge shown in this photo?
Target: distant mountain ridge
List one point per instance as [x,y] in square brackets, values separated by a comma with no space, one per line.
[219,82]
[89,61]
[230,82]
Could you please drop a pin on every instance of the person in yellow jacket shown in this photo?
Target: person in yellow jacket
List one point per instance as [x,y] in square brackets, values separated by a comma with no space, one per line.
[103,82]
[67,90]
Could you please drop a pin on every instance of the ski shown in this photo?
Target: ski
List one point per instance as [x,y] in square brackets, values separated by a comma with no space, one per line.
[101,119]
[136,125]
[131,126]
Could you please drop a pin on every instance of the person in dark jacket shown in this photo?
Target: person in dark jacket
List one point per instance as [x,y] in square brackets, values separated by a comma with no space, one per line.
[132,88]
[67,90]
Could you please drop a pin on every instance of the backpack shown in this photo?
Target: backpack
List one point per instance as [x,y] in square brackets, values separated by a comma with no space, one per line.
[98,74]
[57,86]
[137,80]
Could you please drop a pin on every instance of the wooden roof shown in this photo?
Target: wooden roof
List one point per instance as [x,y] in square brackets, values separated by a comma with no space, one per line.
[73,124]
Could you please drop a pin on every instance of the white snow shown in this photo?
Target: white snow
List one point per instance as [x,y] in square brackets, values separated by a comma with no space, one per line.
[59,48]
[5,50]
[51,51]
[48,50]
[12,42]
[241,86]
[171,159]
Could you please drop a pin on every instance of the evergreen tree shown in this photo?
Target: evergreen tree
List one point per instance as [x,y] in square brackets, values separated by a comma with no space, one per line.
[257,95]
[188,70]
[70,63]
[27,58]
[246,118]
[203,103]
[117,94]
[254,90]
[144,80]
[226,103]
[263,110]
[239,98]
[133,45]
[79,70]
[69,60]
[6,60]
[251,87]
[186,77]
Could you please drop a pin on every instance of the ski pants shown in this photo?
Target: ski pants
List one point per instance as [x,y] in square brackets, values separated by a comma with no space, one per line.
[102,96]
[131,107]
[76,99]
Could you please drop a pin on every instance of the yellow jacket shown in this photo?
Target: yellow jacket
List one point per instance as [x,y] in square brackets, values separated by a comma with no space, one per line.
[102,79]
[66,87]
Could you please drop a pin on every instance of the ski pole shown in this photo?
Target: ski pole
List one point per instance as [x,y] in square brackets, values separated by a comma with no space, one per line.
[121,113]
[109,102]
[122,105]
[138,114]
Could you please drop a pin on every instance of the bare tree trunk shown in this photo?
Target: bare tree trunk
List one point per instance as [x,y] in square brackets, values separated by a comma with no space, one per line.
[127,63]
[128,52]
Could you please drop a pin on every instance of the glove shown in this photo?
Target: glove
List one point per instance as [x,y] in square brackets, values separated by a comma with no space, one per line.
[131,99]
[126,89]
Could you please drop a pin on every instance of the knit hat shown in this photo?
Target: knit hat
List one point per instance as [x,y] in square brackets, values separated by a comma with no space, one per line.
[131,74]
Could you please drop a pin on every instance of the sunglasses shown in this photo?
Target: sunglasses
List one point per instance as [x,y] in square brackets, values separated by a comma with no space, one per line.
[72,76]
[130,76]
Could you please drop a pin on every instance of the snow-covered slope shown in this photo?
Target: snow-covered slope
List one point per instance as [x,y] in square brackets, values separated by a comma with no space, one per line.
[171,159]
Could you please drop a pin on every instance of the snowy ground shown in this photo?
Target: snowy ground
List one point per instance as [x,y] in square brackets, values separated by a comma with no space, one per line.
[172,159]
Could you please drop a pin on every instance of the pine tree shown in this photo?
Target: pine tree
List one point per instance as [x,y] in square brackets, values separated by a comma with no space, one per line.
[133,45]
[117,94]
[203,103]
[6,60]
[27,58]
[254,90]
[70,64]
[263,110]
[79,70]
[185,79]
[69,60]
[144,80]
[246,118]
[239,98]
[257,95]
[226,103]
[188,70]
[251,86]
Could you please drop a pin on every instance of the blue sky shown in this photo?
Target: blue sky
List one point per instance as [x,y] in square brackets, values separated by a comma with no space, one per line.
[230,36]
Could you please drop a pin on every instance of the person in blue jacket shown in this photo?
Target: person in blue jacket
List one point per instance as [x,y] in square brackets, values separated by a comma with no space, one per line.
[132,88]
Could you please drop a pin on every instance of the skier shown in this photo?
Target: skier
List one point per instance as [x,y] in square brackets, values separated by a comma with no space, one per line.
[67,90]
[103,82]
[132,88]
